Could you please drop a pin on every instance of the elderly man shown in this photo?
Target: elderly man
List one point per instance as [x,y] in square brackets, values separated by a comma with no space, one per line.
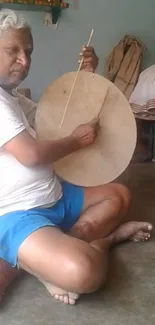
[58,232]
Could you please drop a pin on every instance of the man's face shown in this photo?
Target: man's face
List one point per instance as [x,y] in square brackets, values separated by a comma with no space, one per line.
[16,47]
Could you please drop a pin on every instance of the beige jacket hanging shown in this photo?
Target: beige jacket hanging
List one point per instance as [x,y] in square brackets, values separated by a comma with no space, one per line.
[122,66]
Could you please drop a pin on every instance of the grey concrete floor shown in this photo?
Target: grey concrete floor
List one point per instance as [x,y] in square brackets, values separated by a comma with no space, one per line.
[129,294]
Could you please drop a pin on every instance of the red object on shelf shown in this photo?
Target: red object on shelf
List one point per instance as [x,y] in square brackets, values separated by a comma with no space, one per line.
[51,3]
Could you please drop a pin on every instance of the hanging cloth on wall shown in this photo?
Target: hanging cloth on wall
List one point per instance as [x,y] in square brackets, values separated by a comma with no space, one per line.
[123,64]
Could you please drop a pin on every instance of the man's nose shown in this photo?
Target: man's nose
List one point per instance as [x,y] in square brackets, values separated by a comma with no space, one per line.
[23,59]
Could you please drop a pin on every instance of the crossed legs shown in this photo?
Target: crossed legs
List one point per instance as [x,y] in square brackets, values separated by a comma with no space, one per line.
[76,263]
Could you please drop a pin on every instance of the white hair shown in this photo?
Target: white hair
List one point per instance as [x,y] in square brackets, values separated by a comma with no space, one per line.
[10,19]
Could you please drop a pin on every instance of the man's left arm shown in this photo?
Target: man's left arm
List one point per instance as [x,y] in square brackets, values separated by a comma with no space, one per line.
[90,63]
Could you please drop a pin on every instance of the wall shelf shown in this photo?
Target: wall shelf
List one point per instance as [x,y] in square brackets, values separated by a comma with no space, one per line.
[36,5]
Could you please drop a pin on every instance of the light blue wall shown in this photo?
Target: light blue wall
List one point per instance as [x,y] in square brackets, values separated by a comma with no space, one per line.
[56,51]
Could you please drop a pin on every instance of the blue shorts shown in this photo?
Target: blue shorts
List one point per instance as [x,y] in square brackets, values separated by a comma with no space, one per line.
[16,226]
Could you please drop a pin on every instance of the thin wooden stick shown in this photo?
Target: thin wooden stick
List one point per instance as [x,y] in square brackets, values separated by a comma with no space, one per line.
[98,116]
[66,107]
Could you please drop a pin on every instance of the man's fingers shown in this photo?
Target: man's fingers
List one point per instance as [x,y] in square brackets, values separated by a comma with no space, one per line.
[88,48]
[87,67]
[86,54]
[86,51]
[88,60]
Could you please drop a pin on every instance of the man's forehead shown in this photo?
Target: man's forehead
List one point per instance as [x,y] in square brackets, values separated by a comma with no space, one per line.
[20,37]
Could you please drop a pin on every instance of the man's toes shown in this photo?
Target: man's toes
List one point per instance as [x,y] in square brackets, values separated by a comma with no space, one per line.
[73,295]
[141,236]
[61,298]
[66,299]
[146,235]
[72,301]
[148,226]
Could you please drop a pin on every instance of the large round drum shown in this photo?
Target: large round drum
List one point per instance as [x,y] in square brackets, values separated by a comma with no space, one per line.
[93,95]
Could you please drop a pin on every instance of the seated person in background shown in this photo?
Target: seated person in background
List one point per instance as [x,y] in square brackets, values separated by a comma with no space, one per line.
[58,232]
[141,99]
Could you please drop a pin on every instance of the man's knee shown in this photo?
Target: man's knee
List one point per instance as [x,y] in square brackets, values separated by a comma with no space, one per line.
[87,274]
[123,195]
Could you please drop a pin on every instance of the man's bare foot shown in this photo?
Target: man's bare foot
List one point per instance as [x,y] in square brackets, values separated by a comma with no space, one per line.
[59,294]
[134,230]
[7,275]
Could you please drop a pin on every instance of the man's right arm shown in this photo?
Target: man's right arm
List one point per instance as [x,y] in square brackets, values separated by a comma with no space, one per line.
[30,152]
